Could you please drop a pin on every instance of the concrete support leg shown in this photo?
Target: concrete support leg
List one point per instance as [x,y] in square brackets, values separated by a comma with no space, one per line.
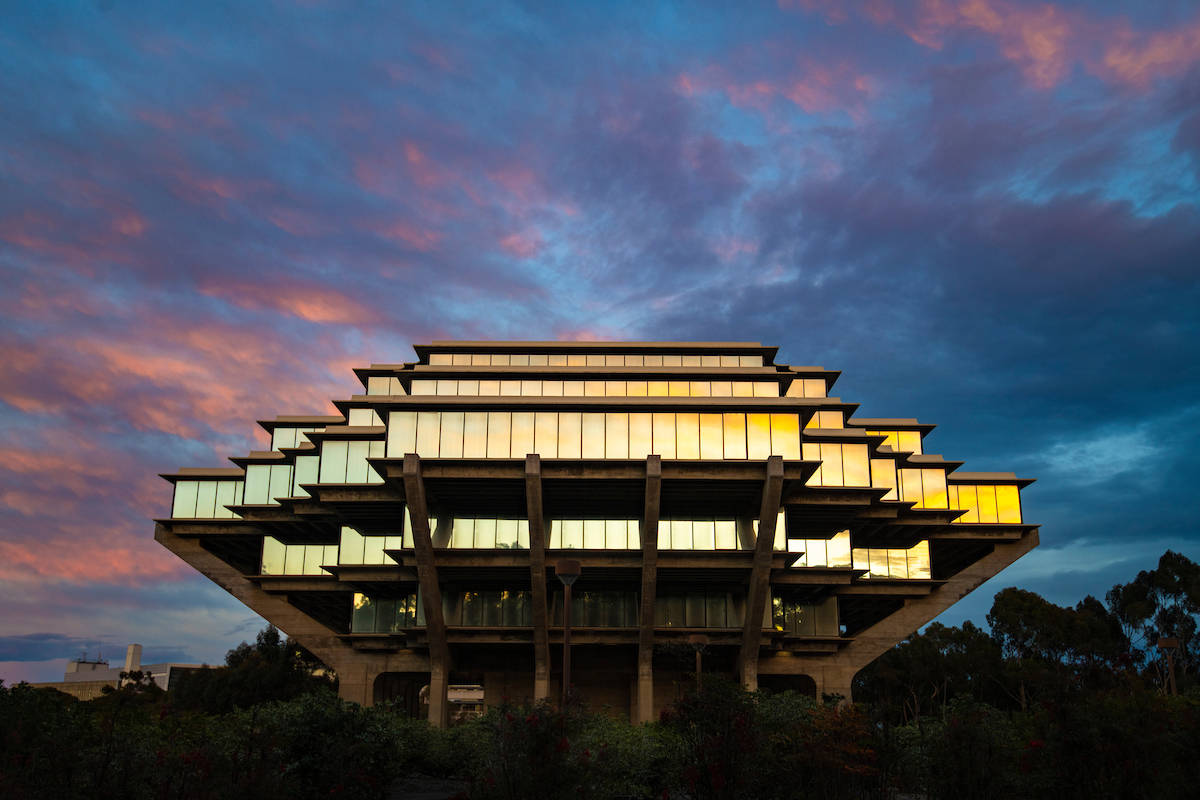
[439,704]
[356,684]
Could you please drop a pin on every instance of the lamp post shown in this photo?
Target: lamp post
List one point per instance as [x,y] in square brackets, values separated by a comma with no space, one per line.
[698,641]
[567,571]
[1169,645]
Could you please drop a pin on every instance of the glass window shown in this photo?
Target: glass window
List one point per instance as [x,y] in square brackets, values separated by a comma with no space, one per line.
[462,359]
[743,389]
[489,388]
[831,464]
[681,534]
[485,533]
[687,436]
[934,488]
[678,388]
[570,434]
[785,435]
[987,503]
[593,436]
[423,387]
[711,436]
[184,506]
[522,442]
[573,388]
[758,436]
[545,424]
[640,435]
[440,359]
[855,465]
[652,361]
[351,549]
[593,534]
[766,389]
[883,476]
[258,484]
[595,360]
[1008,504]
[451,442]
[428,434]
[552,388]
[531,388]
[751,361]
[475,424]
[726,534]
[664,435]
[633,361]
[636,388]
[735,435]
[510,388]
[498,434]
[558,360]
[656,388]
[402,433]
[446,387]
[616,435]
[704,534]
[536,360]
[910,441]
[837,550]
[516,360]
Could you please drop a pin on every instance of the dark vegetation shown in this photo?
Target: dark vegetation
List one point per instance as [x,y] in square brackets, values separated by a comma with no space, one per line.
[1052,703]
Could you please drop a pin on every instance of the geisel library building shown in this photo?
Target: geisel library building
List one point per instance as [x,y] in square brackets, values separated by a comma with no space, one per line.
[705,489]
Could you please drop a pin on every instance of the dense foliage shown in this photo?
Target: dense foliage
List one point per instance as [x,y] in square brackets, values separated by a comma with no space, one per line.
[1054,702]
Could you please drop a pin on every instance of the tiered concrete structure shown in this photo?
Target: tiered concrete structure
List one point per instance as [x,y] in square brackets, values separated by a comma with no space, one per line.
[410,540]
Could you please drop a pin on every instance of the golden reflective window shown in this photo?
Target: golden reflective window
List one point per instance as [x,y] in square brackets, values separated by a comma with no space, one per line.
[499,428]
[687,436]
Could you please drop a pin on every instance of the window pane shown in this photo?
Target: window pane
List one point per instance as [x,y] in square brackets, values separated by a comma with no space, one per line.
[636,388]
[898,563]
[462,535]
[531,388]
[918,561]
[447,387]
[485,533]
[510,388]
[572,534]
[333,462]
[489,388]
[272,556]
[593,436]
[758,435]
[507,533]
[657,389]
[704,535]
[545,424]
[356,462]
[766,389]
[452,434]
[968,500]
[475,434]
[184,506]
[462,359]
[987,503]
[664,435]
[694,610]
[687,436]
[499,432]
[743,389]
[428,434]
[831,464]
[616,436]
[785,435]
[883,476]
[934,488]
[552,388]
[1008,504]
[616,534]
[558,360]
[726,534]
[440,359]
[910,441]
[570,431]
[593,534]
[681,534]
[735,435]
[402,433]
[351,548]
[855,465]
[363,618]
[710,436]
[722,389]
[258,481]
[640,433]
[652,361]
[572,388]
[910,485]
[424,387]
[522,434]
[837,550]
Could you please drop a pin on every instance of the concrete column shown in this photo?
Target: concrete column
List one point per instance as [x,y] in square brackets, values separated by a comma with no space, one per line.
[435,623]
[133,657]
[650,515]
[537,576]
[439,705]
[356,683]
[760,575]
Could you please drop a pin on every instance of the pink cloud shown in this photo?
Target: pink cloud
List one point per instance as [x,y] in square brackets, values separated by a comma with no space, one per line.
[526,244]
[1043,39]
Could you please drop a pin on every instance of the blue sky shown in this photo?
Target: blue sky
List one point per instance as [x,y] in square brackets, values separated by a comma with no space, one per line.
[985,212]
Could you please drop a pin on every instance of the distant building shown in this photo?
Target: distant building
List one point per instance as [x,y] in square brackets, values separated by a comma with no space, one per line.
[86,679]
[409,541]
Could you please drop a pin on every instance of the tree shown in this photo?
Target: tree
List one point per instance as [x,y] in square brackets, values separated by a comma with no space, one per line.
[270,669]
[1162,602]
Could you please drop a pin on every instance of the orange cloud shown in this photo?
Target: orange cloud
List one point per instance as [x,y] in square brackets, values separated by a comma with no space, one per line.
[310,302]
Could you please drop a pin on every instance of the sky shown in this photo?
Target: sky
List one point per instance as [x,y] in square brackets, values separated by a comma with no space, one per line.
[986,213]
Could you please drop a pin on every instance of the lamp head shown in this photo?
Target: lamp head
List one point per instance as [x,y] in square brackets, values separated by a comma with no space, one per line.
[567,570]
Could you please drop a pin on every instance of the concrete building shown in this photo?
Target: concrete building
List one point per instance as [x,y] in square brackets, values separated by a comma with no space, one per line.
[86,679]
[410,541]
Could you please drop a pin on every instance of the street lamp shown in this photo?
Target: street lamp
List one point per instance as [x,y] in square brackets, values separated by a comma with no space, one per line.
[567,570]
[698,641]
